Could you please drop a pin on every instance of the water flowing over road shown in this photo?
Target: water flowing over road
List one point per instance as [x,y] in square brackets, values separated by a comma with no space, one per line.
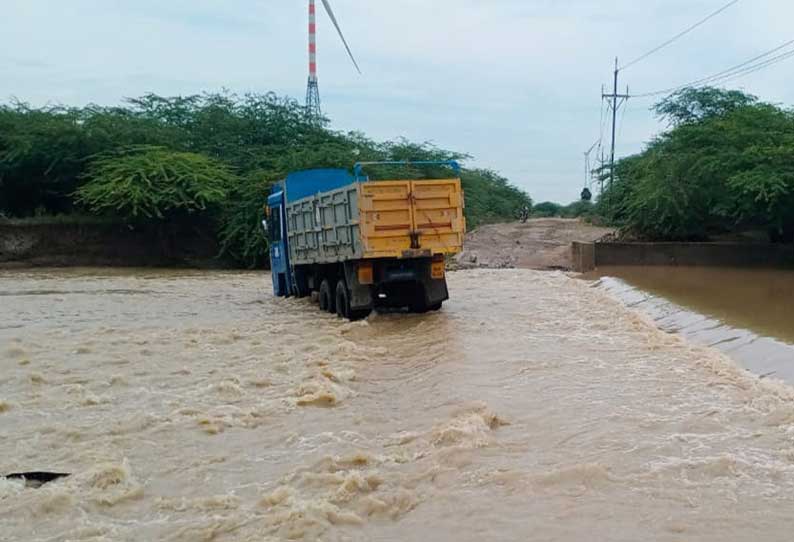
[193,406]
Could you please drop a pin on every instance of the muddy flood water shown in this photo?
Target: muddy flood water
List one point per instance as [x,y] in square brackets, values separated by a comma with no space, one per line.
[193,406]
[746,313]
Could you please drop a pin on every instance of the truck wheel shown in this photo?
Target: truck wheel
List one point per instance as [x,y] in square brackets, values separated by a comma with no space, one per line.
[343,305]
[326,299]
[300,289]
[342,300]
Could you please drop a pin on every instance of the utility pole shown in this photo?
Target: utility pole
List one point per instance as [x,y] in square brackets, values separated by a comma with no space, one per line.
[614,104]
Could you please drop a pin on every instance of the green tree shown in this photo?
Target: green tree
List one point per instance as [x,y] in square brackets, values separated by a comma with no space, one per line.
[697,104]
[154,183]
[724,165]
[41,155]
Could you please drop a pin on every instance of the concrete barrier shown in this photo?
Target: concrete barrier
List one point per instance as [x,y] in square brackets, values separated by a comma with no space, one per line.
[588,256]
[582,256]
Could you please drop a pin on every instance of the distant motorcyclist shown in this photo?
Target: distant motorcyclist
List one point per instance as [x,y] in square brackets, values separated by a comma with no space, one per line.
[523,214]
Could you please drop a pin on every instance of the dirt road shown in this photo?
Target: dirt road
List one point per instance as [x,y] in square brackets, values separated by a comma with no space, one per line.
[541,243]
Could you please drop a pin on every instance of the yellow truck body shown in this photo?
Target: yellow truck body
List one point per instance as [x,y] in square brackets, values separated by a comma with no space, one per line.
[400,219]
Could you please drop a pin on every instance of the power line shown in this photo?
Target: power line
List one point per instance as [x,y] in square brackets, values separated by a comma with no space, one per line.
[725,75]
[622,118]
[739,70]
[603,121]
[679,35]
[759,57]
[755,67]
[759,67]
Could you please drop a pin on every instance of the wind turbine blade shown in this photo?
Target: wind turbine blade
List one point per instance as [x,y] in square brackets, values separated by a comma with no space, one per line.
[339,30]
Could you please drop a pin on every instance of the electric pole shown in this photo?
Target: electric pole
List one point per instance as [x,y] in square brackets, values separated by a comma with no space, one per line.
[614,104]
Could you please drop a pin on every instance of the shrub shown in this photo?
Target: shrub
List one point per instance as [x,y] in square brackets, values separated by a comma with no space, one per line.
[154,183]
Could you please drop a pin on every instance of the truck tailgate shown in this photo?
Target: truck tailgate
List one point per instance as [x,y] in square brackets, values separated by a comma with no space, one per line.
[406,218]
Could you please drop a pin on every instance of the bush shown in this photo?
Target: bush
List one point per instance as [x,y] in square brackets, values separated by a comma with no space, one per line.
[546,209]
[154,183]
[578,209]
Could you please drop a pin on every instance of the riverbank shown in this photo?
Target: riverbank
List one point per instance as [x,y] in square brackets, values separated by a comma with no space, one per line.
[194,405]
[84,243]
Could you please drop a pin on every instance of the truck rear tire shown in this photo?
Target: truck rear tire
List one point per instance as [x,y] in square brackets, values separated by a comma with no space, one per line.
[300,288]
[342,300]
[343,309]
[326,298]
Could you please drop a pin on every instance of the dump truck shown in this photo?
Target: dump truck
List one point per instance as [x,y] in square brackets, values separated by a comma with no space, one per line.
[356,245]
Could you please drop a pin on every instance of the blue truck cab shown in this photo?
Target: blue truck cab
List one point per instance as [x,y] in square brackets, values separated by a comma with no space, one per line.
[276,228]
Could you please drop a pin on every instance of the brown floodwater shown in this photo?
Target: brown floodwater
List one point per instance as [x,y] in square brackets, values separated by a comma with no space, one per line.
[193,406]
[758,299]
[748,313]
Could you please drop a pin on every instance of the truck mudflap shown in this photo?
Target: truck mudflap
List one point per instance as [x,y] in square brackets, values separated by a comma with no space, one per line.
[361,297]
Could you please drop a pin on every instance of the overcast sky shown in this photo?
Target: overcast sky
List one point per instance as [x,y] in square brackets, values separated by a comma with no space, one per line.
[515,83]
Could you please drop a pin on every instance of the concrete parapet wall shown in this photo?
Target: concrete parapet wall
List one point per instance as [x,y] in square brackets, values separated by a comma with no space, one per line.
[588,256]
[582,256]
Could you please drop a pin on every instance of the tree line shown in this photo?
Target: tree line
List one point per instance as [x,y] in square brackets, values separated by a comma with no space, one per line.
[725,163]
[206,159]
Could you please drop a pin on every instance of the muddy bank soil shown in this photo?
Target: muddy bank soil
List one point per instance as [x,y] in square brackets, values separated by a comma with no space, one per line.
[107,244]
[542,243]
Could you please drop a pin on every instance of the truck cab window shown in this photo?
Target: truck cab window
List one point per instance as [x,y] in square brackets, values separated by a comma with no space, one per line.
[275,224]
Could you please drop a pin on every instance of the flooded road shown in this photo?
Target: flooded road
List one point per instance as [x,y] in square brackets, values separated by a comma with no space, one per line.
[193,406]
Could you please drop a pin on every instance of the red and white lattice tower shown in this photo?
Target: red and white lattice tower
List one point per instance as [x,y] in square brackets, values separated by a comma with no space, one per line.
[312,89]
